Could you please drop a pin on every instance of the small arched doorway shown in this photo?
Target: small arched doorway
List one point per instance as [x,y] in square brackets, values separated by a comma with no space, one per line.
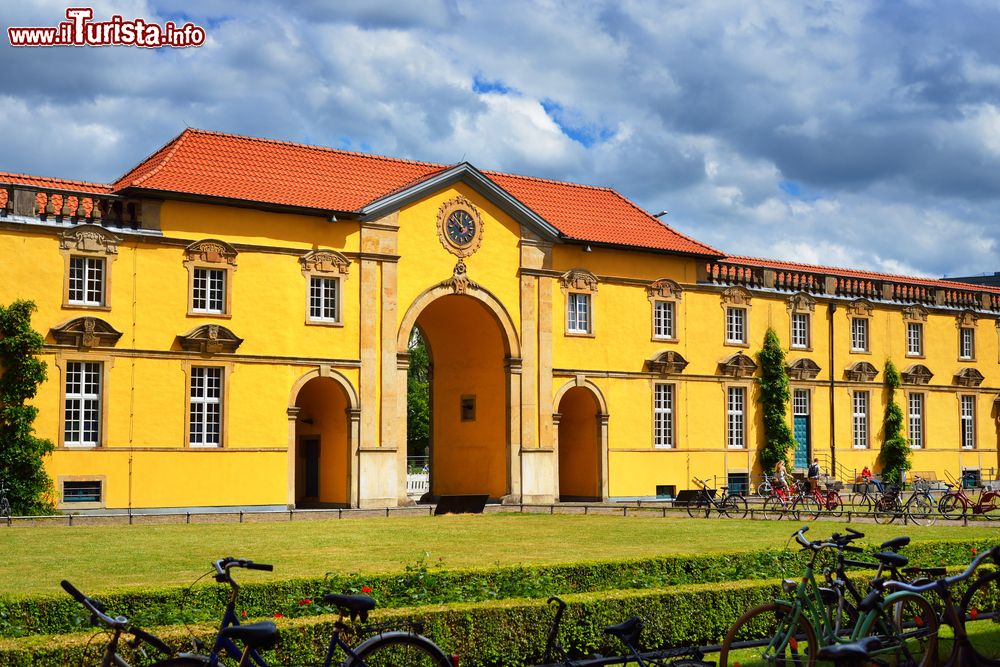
[322,444]
[582,445]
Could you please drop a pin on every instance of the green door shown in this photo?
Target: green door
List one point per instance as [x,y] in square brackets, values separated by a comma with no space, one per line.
[800,427]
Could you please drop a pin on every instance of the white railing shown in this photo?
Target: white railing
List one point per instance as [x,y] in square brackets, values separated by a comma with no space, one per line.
[418,484]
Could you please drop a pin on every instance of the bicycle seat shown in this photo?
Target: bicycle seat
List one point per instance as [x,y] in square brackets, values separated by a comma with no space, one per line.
[627,631]
[895,543]
[891,558]
[262,635]
[355,604]
[855,652]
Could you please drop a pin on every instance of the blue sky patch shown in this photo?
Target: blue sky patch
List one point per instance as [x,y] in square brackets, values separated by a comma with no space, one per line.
[481,86]
[585,134]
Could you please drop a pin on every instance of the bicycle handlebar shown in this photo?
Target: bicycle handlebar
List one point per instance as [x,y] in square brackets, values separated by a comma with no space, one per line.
[223,565]
[118,623]
[937,584]
[837,541]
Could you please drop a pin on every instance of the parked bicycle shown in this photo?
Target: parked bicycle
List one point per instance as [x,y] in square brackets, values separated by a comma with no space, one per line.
[764,488]
[919,508]
[781,503]
[955,503]
[813,501]
[4,502]
[794,630]
[730,506]
[628,633]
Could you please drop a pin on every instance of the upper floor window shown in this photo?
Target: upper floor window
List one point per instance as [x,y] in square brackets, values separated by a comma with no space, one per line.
[210,264]
[966,343]
[663,415]
[736,401]
[665,295]
[88,251]
[578,313]
[859,401]
[914,339]
[82,408]
[736,325]
[325,272]
[968,422]
[800,330]
[205,406]
[324,299]
[86,281]
[859,334]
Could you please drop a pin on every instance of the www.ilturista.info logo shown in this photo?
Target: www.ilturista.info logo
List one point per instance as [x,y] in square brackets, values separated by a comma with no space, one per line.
[80,30]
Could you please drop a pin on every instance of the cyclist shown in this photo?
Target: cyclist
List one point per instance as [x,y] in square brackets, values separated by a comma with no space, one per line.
[779,476]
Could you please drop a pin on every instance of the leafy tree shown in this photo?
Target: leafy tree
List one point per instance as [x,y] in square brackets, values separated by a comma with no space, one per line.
[418,409]
[895,454]
[773,398]
[21,453]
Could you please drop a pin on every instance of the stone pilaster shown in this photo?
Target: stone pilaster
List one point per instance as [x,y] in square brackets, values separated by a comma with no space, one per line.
[293,448]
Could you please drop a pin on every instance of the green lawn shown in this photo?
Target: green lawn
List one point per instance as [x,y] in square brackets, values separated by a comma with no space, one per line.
[34,559]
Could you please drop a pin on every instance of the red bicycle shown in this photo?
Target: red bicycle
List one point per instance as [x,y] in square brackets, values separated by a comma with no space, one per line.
[811,503]
[955,504]
[781,502]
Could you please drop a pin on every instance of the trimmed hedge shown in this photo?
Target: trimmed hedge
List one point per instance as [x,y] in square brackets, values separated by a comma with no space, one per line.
[508,633]
[421,584]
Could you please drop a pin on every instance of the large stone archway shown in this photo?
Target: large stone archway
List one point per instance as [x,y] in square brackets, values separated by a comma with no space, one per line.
[580,418]
[476,391]
[323,430]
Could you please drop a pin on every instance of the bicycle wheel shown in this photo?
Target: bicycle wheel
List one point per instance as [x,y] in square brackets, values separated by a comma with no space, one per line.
[774,508]
[764,488]
[887,510]
[913,642]
[861,503]
[920,510]
[698,508]
[735,507]
[981,610]
[806,508]
[399,649]
[793,643]
[4,508]
[834,504]
[951,506]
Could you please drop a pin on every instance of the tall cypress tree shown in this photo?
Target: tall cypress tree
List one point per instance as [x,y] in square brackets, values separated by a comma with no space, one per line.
[21,453]
[773,398]
[895,454]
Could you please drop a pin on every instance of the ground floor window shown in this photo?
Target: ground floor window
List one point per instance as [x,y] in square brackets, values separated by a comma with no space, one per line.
[736,418]
[82,410]
[87,491]
[739,483]
[206,407]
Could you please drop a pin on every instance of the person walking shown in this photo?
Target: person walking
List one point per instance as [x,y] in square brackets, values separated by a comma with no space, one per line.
[813,475]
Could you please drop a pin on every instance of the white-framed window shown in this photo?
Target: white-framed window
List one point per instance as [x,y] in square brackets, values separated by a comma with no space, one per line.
[324,299]
[968,422]
[663,319]
[578,313]
[663,415]
[800,402]
[736,325]
[800,330]
[859,402]
[914,339]
[205,408]
[86,281]
[916,420]
[209,291]
[859,334]
[736,402]
[82,413]
[966,343]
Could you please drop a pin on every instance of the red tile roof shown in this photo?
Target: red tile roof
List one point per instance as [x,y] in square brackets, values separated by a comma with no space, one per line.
[851,273]
[54,183]
[276,172]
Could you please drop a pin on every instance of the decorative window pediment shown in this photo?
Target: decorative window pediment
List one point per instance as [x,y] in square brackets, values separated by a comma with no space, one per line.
[969,377]
[860,308]
[89,238]
[580,280]
[210,339]
[325,261]
[664,288]
[803,369]
[85,333]
[801,303]
[966,318]
[667,363]
[739,365]
[917,374]
[862,371]
[915,314]
[735,296]
[211,251]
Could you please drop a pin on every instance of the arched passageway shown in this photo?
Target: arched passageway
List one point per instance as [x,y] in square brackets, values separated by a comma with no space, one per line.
[322,437]
[580,450]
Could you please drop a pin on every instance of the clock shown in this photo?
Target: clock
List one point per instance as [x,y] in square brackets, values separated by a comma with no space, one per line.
[460,227]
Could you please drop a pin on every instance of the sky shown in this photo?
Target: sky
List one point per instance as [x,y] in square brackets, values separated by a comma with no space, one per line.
[852,134]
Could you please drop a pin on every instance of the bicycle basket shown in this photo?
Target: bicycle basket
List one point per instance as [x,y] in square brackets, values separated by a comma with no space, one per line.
[922,485]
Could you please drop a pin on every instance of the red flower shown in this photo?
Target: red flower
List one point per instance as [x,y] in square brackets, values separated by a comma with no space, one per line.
[974,552]
[244,614]
[304,601]
[366,589]
[279,615]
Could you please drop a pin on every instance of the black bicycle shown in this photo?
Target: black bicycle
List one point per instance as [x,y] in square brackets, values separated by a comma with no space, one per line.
[628,633]
[733,507]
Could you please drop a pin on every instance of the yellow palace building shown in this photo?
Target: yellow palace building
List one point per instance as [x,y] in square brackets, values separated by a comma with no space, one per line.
[228,325]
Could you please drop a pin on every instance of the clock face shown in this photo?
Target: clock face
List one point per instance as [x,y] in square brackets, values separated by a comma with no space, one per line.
[461,228]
